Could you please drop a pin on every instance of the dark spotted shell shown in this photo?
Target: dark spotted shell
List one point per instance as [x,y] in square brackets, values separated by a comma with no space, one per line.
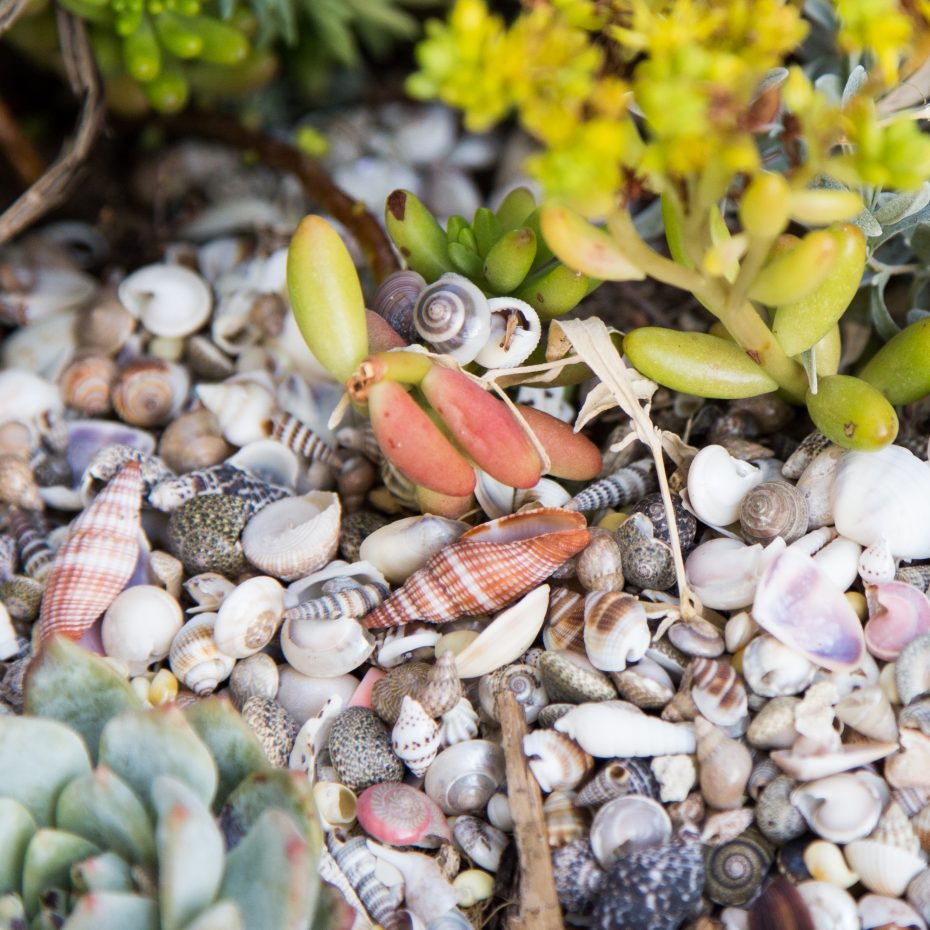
[578,877]
[651,505]
[735,870]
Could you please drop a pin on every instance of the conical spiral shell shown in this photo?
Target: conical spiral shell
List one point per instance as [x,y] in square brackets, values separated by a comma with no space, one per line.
[195,658]
[18,483]
[616,779]
[771,509]
[564,627]
[453,316]
[718,692]
[415,737]
[97,559]
[443,688]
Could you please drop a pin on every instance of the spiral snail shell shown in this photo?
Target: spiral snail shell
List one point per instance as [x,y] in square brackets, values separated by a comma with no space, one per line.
[149,391]
[734,871]
[773,508]
[396,298]
[452,315]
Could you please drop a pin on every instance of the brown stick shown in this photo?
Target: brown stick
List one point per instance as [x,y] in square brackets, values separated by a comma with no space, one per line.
[538,904]
[316,182]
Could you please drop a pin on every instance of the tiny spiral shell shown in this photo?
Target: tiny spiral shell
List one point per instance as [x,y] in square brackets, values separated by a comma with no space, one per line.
[295,435]
[85,384]
[396,298]
[31,534]
[453,316]
[735,870]
[718,692]
[771,509]
[523,681]
[443,688]
[353,601]
[18,483]
[388,692]
[625,486]
[147,391]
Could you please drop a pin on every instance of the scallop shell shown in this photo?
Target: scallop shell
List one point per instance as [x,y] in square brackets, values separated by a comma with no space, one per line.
[736,869]
[898,614]
[627,825]
[395,299]
[97,559]
[564,627]
[195,659]
[452,316]
[840,808]
[249,617]
[770,509]
[564,821]
[718,692]
[717,484]
[616,631]
[883,869]
[489,567]
[139,626]
[294,537]
[169,300]
[557,762]
[463,777]
[724,766]
[149,391]
[399,815]
[481,842]
[415,737]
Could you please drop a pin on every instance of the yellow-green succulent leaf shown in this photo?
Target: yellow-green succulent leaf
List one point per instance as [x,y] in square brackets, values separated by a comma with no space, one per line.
[417,234]
[852,413]
[791,273]
[901,368]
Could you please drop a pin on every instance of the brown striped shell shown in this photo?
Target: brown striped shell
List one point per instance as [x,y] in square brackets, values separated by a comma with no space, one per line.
[564,627]
[18,484]
[148,391]
[718,692]
[771,509]
[85,383]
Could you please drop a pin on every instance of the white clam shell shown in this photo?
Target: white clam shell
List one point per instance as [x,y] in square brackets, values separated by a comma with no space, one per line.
[724,572]
[169,300]
[773,669]
[831,907]
[839,561]
[400,548]
[506,637]
[303,696]
[877,910]
[195,658]
[884,869]
[242,408]
[717,484]
[523,339]
[295,536]
[249,617]
[610,729]
[139,626]
[842,807]
[325,648]
[884,493]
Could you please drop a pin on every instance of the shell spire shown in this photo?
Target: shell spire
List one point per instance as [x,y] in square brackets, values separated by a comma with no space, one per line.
[97,560]
[488,568]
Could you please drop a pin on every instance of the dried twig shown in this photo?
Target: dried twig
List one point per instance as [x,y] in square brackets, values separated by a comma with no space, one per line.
[9,11]
[53,186]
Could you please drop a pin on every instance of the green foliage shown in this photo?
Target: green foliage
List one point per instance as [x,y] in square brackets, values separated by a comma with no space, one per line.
[134,842]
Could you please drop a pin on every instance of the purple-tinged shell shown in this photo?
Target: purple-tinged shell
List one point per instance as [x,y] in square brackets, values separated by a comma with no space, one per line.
[898,613]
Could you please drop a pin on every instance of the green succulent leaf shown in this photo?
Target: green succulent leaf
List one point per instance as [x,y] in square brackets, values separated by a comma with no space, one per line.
[466,261]
[141,745]
[70,684]
[224,915]
[852,413]
[102,808]
[37,759]
[106,872]
[515,208]
[487,229]
[509,260]
[17,828]
[901,368]
[48,861]
[417,234]
[554,290]
[111,910]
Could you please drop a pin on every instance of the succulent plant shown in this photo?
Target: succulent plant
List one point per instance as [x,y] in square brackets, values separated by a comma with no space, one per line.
[114,816]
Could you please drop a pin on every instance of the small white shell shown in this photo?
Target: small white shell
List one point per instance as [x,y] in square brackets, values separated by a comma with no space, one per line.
[400,548]
[510,343]
[870,712]
[611,729]
[876,911]
[415,738]
[839,561]
[481,842]
[724,572]
[557,762]
[325,648]
[249,617]
[303,696]
[877,564]
[831,907]
[139,626]
[842,807]
[195,658]
[717,484]
[772,669]
[626,825]
[169,300]
[883,869]
[295,536]
[459,724]
[269,460]
[335,804]
[242,408]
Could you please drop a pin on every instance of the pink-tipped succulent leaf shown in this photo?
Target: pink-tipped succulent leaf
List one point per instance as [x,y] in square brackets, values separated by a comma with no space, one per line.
[571,455]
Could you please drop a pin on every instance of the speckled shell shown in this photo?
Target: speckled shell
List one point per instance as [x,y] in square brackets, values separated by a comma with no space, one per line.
[653,507]
[415,736]
[360,748]
[388,692]
[770,509]
[735,870]
[252,492]
[256,675]
[204,534]
[195,659]
[578,877]
[557,762]
[275,728]
[598,566]
[718,692]
[616,779]
[570,678]
[97,559]
[647,561]
[488,568]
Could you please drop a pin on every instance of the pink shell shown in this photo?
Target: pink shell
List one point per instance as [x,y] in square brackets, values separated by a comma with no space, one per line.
[898,613]
[361,696]
[488,568]
[800,606]
[398,815]
[96,560]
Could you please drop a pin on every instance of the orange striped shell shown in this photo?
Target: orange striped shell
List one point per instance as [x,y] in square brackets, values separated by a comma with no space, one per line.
[96,560]
[488,568]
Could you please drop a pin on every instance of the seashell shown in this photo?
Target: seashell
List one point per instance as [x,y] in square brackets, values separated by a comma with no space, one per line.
[206,360]
[598,566]
[401,643]
[169,300]
[487,568]
[523,681]
[399,815]
[724,572]
[772,669]
[296,436]
[399,682]
[104,325]
[627,825]
[724,826]
[735,870]
[207,590]
[717,484]
[557,762]
[826,907]
[335,803]
[912,669]
[552,712]
[18,484]
[770,509]
[515,330]
[564,627]
[615,630]
[916,715]
[697,637]
[96,560]
[16,439]
[884,869]
[564,821]
[325,648]
[355,861]
[840,808]
[166,571]
[459,724]
[426,891]
[85,383]
[839,561]
[442,689]
[877,911]
[918,892]
[876,563]
[718,692]
[798,605]
[816,485]
[652,506]
[499,813]
[149,391]
[26,398]
[31,536]
[675,776]
[242,408]
[645,684]
[404,546]
[818,761]
[139,626]
[415,737]
[506,637]
[916,575]
[465,775]
[453,316]
[268,461]
[647,561]
[610,729]
[578,877]
[274,727]
[898,614]
[360,748]
[356,527]
[868,711]
[395,299]
[888,495]
[294,537]
[724,765]
[22,597]
[481,842]
[908,768]
[825,863]
[306,697]
[249,617]
[617,779]
[895,829]
[570,677]
[204,534]
[195,659]
[256,675]
[670,877]
[625,486]
[776,814]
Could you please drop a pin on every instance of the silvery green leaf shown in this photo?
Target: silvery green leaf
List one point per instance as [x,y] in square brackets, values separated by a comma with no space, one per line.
[37,759]
[882,320]
[920,242]
[106,872]
[867,223]
[190,853]
[900,206]
[857,78]
[141,745]
[101,807]
[16,829]
[829,85]
[49,857]
[111,910]
[224,915]
[915,314]
[648,222]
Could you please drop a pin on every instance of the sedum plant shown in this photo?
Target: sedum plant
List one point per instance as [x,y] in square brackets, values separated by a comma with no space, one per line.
[761,173]
[108,812]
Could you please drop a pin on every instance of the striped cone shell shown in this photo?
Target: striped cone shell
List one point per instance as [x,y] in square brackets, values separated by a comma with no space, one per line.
[300,438]
[97,559]
[488,568]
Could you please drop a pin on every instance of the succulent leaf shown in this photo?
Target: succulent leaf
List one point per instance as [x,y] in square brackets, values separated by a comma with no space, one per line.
[48,861]
[224,915]
[509,260]
[486,228]
[571,455]
[792,273]
[900,369]
[553,291]
[106,872]
[416,233]
[17,828]
[111,910]
[852,413]
[515,208]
